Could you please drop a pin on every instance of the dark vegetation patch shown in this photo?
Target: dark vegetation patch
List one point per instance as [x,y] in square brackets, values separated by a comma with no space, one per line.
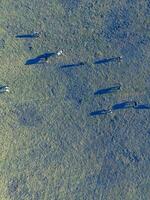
[28,115]
[112,172]
[118,21]
[37,196]
[13,186]
[2,43]
[77,90]
[119,29]
[70,5]
[17,188]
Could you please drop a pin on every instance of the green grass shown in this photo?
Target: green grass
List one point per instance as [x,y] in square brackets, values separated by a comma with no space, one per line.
[66,128]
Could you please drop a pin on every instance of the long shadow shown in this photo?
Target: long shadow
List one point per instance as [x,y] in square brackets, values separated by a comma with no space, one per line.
[72,65]
[106,60]
[100,112]
[124,105]
[142,106]
[40,59]
[108,90]
[32,35]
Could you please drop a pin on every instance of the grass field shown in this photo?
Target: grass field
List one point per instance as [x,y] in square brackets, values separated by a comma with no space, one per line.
[50,146]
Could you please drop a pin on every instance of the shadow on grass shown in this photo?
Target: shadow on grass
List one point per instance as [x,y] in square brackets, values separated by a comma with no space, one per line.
[73,65]
[124,105]
[100,112]
[107,60]
[40,59]
[142,106]
[108,90]
[28,36]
